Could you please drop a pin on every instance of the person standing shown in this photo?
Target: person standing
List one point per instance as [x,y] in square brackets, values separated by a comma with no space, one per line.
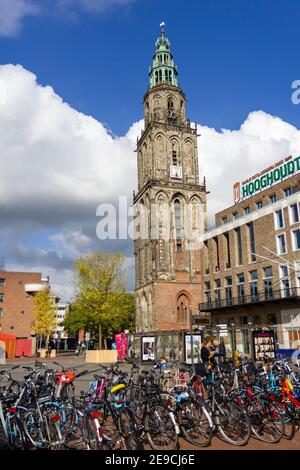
[219,351]
[206,353]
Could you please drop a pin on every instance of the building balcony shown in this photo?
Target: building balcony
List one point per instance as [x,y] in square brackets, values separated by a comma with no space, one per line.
[288,294]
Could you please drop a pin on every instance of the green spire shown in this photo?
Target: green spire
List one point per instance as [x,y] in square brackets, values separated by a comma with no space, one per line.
[163,68]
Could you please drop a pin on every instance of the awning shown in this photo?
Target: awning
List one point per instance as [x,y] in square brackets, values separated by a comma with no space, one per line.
[4,336]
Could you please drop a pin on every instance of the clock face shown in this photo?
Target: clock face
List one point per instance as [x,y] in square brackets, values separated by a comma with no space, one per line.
[176,171]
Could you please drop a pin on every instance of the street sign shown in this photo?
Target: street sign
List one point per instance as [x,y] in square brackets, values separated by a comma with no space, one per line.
[223,326]
[223,333]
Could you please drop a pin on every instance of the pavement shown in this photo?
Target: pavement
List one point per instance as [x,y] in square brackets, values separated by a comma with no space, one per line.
[71,361]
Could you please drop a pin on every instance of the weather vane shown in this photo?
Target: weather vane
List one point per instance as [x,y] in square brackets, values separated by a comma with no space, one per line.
[162,26]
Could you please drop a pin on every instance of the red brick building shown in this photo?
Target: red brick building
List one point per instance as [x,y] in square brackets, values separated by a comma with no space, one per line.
[17,290]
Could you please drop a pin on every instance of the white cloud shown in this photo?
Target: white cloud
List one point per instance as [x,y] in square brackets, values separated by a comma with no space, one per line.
[229,156]
[57,165]
[13,12]
[93,6]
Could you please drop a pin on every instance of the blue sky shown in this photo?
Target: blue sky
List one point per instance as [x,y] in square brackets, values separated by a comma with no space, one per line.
[234,57]
[237,60]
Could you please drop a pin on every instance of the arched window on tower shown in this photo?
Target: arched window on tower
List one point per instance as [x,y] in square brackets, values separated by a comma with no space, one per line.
[182,308]
[160,75]
[156,77]
[170,106]
[178,224]
[175,159]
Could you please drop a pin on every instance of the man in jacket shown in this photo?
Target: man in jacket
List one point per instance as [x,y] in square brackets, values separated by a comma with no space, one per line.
[219,351]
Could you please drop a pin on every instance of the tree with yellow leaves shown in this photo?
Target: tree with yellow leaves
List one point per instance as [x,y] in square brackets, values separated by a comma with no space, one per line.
[101,303]
[44,314]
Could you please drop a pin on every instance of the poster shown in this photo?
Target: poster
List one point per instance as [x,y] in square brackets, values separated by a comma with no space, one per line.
[2,353]
[148,348]
[121,344]
[197,339]
[263,344]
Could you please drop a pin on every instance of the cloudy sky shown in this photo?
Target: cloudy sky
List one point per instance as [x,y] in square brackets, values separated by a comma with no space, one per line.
[72,77]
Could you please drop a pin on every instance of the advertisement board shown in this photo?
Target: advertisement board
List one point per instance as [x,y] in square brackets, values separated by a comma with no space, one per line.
[197,339]
[121,344]
[263,344]
[148,348]
[281,170]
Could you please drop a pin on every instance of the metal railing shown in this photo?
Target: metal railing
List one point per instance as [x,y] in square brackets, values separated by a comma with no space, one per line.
[268,296]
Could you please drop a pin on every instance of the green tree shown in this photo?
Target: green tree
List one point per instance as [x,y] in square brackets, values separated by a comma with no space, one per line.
[44,313]
[102,306]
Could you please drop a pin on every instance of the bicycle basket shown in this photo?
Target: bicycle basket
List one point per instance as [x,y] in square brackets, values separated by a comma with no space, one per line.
[64,377]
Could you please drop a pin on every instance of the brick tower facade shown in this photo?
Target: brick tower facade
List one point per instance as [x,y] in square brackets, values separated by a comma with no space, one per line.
[170,205]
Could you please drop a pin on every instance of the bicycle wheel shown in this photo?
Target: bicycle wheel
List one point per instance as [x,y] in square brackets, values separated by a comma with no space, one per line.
[54,438]
[76,438]
[93,434]
[195,424]
[266,422]
[289,426]
[233,423]
[17,439]
[160,429]
[128,430]
[33,428]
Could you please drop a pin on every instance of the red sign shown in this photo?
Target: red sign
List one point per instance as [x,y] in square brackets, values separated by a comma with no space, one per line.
[121,343]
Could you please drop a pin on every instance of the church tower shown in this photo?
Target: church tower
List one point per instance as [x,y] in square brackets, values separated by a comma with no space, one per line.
[170,205]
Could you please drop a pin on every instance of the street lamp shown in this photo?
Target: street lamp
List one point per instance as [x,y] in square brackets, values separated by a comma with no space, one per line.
[192,345]
[292,329]
[233,340]
[249,337]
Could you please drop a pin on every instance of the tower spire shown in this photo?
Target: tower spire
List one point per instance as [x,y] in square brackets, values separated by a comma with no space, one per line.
[163,70]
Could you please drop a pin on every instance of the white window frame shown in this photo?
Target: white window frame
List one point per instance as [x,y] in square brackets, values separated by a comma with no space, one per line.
[280,276]
[297,275]
[293,239]
[292,222]
[278,246]
[276,220]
